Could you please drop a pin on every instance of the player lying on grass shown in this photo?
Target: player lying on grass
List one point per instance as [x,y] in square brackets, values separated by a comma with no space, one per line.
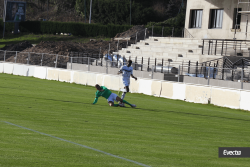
[111,97]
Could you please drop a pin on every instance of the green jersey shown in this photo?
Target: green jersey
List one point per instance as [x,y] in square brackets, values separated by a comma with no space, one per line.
[105,93]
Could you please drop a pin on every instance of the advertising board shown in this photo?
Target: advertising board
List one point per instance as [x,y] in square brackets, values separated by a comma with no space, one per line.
[15,11]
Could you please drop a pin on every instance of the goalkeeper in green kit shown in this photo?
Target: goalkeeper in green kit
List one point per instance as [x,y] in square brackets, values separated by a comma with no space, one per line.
[111,97]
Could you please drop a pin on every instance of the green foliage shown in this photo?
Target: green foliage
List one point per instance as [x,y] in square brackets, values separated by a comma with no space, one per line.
[117,12]
[8,26]
[88,30]
[10,38]
[79,7]
[177,23]
[78,29]
[30,26]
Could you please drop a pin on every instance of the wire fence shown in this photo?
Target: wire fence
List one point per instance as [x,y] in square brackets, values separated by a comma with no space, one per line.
[177,69]
[112,61]
[42,59]
[237,74]
[226,47]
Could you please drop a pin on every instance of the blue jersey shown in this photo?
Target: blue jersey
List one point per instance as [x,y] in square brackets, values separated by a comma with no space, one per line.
[126,71]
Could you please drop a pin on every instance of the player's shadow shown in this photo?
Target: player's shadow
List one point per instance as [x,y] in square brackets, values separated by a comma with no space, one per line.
[194,114]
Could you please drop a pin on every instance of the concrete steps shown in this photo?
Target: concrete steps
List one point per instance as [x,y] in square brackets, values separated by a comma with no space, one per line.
[174,39]
[156,43]
[170,45]
[155,50]
[174,50]
[164,55]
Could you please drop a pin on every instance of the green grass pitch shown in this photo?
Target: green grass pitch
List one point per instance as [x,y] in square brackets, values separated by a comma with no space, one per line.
[50,123]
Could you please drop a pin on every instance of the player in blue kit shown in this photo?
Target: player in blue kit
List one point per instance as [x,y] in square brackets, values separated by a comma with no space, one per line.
[126,71]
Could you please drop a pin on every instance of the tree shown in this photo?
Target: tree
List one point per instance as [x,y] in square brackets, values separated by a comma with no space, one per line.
[79,7]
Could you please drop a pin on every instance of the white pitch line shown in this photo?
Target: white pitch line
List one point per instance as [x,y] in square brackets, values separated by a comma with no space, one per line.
[138,163]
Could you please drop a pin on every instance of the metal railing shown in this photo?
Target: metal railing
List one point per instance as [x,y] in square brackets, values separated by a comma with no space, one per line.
[226,47]
[238,71]
[167,69]
[239,75]
[31,58]
[141,63]
[114,61]
[230,74]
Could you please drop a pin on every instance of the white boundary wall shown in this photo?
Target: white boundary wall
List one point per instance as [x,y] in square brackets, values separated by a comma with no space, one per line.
[28,70]
[40,72]
[145,86]
[232,98]
[1,67]
[198,94]
[79,77]
[244,100]
[65,75]
[52,74]
[226,97]
[18,69]
[179,90]
[8,68]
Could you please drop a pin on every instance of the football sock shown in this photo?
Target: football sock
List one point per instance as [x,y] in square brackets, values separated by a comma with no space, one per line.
[126,102]
[123,95]
[116,105]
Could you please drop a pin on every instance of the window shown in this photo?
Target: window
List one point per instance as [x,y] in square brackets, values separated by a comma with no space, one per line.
[216,18]
[238,16]
[195,19]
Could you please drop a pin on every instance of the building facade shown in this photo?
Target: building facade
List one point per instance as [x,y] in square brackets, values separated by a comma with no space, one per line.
[218,19]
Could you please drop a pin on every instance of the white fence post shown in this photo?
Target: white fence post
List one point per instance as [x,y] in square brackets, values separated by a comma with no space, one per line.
[71,63]
[56,61]
[136,38]
[208,77]
[28,58]
[152,75]
[118,46]
[109,49]
[42,60]
[88,64]
[107,66]
[4,56]
[242,78]
[16,57]
[179,73]
[100,52]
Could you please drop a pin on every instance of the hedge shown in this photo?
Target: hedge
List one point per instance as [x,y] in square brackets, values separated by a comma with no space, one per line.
[8,26]
[81,29]
[78,29]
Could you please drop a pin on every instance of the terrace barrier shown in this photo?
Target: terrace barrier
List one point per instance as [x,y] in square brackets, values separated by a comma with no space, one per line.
[232,98]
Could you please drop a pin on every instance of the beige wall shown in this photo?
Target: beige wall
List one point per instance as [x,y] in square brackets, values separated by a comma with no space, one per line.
[225,97]
[167,89]
[198,94]
[52,74]
[226,31]
[80,77]
[65,75]
[232,98]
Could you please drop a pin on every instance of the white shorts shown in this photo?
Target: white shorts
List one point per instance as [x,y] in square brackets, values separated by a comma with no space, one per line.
[126,81]
[112,97]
